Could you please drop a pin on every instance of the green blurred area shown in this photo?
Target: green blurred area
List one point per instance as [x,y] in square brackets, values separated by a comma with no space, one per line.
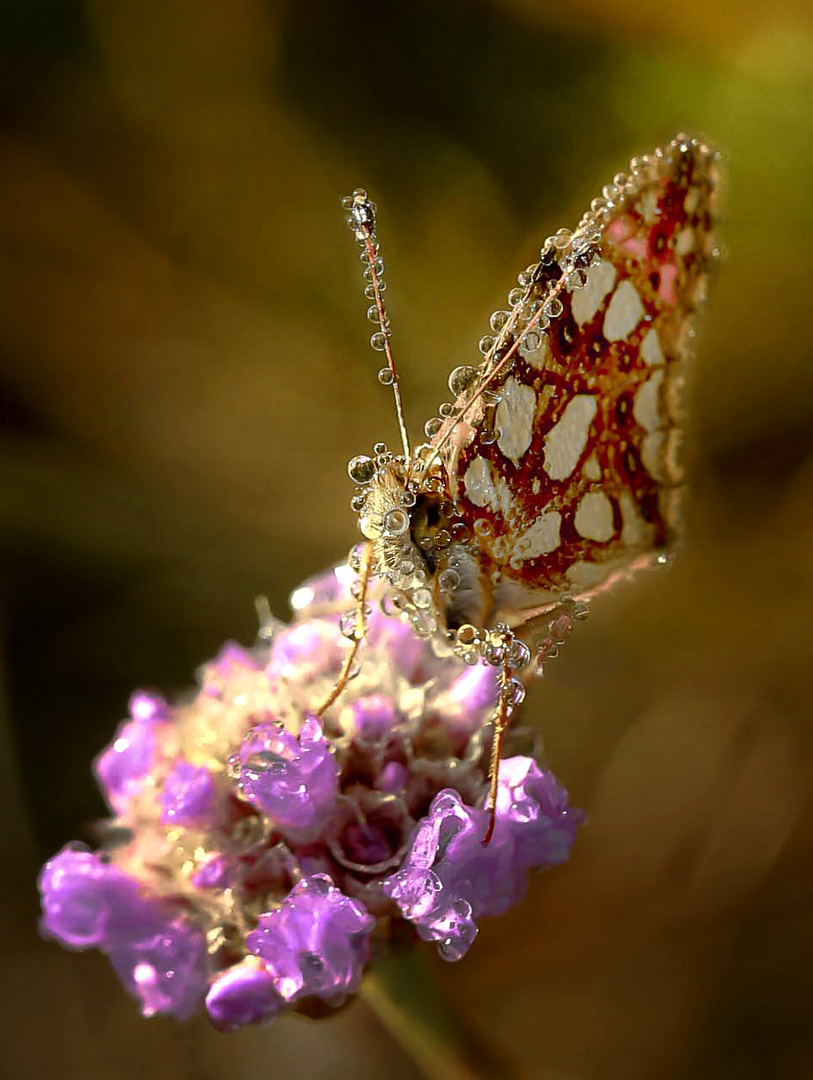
[184,372]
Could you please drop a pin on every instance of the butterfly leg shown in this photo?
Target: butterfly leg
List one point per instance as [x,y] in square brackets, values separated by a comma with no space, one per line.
[499,727]
[504,650]
[358,631]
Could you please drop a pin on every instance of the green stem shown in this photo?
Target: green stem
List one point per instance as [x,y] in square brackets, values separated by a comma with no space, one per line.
[403,991]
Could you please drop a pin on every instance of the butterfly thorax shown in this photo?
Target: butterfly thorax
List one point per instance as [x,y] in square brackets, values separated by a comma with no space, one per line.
[421,546]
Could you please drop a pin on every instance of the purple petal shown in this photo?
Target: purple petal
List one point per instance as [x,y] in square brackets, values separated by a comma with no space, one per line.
[245,994]
[167,971]
[87,902]
[122,767]
[293,780]
[374,717]
[190,796]
[315,943]
[448,878]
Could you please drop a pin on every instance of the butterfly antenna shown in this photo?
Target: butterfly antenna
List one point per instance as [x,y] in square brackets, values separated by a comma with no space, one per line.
[361,219]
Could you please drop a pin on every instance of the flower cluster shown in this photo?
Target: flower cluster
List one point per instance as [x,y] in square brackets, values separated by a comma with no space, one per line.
[257,851]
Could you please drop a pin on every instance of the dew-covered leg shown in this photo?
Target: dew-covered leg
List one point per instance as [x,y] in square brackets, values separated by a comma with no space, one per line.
[501,648]
[358,630]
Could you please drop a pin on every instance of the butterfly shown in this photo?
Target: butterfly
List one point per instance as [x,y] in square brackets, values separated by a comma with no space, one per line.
[553,472]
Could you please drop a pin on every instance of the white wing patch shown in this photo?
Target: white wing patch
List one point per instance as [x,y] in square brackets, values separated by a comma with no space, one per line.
[652,454]
[515,418]
[594,517]
[647,406]
[635,532]
[591,470]
[566,440]
[539,357]
[587,300]
[484,490]
[540,539]
[651,351]
[624,312]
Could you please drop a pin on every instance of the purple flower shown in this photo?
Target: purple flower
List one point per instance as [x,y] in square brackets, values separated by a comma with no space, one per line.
[292,780]
[87,902]
[316,943]
[449,879]
[263,844]
[190,796]
[374,717]
[243,994]
[167,970]
[123,766]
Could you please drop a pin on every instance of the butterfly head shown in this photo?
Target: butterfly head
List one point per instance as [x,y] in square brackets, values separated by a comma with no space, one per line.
[421,547]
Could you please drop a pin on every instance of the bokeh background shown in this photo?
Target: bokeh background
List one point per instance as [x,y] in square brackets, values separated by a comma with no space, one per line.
[184,374]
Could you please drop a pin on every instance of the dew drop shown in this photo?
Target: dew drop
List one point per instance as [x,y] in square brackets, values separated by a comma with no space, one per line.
[498,320]
[386,377]
[361,469]
[467,634]
[519,655]
[379,341]
[432,426]
[486,344]
[448,580]
[462,378]
[422,598]
[396,522]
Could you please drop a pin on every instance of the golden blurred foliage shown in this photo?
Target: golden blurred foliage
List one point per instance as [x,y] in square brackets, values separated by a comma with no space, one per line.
[184,373]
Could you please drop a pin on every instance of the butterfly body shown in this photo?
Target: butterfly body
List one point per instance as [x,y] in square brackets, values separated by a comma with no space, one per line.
[554,470]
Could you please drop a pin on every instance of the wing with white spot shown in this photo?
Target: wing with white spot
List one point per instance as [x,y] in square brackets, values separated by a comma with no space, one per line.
[560,454]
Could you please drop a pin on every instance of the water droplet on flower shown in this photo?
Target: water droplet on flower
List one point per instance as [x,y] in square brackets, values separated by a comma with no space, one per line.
[422,598]
[432,426]
[379,341]
[348,624]
[486,344]
[386,377]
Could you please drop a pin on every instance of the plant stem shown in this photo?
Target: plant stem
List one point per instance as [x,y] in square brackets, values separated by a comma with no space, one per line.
[403,991]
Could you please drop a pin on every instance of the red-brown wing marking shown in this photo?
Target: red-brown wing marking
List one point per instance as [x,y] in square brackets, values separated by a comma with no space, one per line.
[571,475]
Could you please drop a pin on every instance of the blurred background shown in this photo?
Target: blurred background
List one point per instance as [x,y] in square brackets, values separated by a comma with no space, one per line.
[184,372]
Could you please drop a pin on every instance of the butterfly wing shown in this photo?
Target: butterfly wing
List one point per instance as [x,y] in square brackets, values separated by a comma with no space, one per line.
[561,455]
